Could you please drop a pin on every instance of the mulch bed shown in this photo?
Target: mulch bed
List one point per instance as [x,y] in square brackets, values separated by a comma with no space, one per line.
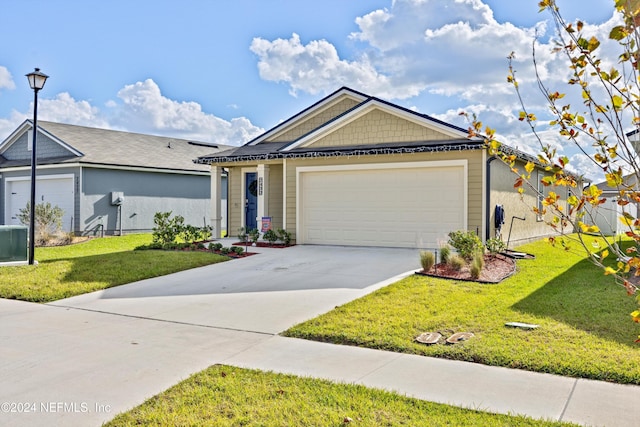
[496,269]
[262,245]
[235,255]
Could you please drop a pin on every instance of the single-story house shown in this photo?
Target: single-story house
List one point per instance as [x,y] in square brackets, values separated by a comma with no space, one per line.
[607,215]
[105,180]
[353,169]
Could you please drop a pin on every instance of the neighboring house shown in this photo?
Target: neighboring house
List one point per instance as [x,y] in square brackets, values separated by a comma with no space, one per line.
[607,215]
[106,180]
[353,169]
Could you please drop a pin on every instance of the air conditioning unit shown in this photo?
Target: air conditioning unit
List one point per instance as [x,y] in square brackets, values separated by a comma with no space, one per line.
[13,243]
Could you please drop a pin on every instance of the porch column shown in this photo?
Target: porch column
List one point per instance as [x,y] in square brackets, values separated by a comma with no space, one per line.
[216,201]
[263,193]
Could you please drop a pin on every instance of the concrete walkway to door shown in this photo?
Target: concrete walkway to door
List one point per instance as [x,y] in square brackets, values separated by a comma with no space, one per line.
[82,360]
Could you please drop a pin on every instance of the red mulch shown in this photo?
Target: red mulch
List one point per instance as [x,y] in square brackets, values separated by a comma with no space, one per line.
[496,268]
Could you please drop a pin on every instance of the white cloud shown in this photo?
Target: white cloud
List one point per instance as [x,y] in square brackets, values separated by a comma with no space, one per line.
[453,48]
[141,108]
[144,109]
[581,164]
[8,125]
[6,81]
[65,109]
[408,20]
[317,68]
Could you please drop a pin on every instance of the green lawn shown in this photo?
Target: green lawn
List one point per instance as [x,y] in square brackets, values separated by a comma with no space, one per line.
[585,327]
[228,396]
[65,271]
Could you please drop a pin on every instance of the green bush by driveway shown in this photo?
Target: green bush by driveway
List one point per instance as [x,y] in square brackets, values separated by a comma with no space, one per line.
[585,328]
[66,271]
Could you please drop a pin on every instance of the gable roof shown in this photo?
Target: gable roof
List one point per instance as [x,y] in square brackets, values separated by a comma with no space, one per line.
[263,147]
[105,147]
[302,115]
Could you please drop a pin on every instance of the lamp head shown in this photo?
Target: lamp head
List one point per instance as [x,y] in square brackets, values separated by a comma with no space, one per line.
[37,79]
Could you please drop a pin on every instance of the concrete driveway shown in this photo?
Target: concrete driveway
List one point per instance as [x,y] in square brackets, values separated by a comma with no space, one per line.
[267,293]
[82,360]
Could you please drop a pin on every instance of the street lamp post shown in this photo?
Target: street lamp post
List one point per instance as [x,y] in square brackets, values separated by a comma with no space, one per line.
[36,81]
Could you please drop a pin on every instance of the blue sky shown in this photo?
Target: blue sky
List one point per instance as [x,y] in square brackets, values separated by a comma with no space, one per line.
[224,71]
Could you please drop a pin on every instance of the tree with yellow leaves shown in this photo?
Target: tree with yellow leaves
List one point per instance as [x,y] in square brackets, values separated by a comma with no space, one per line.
[610,109]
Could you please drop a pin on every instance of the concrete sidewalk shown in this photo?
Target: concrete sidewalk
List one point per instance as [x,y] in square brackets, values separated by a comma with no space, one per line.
[468,385]
[82,360]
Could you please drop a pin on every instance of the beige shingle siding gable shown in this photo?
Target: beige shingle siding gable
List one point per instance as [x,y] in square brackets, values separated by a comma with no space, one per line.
[379,127]
[316,120]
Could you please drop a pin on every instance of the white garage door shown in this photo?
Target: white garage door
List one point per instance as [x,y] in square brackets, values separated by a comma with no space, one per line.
[57,190]
[409,206]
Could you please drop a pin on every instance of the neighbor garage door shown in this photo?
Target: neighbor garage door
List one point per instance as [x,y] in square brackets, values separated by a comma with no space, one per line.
[57,190]
[407,205]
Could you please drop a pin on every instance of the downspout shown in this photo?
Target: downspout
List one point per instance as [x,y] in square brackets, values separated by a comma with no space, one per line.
[488,198]
[228,233]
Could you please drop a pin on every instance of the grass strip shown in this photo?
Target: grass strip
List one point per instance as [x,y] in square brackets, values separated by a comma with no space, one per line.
[66,271]
[228,396]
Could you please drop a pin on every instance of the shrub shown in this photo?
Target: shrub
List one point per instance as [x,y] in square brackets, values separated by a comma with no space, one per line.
[48,220]
[456,262]
[466,243]
[192,234]
[427,260]
[225,251]
[495,246]
[475,270]
[270,236]
[166,229]
[189,233]
[284,236]
[215,246]
[238,250]
[254,235]
[445,253]
[242,234]
[477,265]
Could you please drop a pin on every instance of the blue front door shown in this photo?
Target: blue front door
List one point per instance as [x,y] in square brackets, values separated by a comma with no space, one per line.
[251,200]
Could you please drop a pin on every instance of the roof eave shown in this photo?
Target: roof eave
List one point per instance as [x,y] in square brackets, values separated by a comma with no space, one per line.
[351,151]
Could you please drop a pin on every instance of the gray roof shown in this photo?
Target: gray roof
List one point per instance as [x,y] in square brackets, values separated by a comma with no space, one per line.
[117,148]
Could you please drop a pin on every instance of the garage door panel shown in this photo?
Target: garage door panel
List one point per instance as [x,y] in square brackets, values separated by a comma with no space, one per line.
[58,191]
[404,207]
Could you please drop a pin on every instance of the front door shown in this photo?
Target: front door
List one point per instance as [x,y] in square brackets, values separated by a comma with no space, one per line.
[251,200]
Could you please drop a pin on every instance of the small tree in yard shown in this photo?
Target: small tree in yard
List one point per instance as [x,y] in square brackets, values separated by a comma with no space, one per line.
[610,93]
[166,229]
[48,220]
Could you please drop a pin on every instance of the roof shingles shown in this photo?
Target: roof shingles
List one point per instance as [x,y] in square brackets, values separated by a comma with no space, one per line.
[117,148]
